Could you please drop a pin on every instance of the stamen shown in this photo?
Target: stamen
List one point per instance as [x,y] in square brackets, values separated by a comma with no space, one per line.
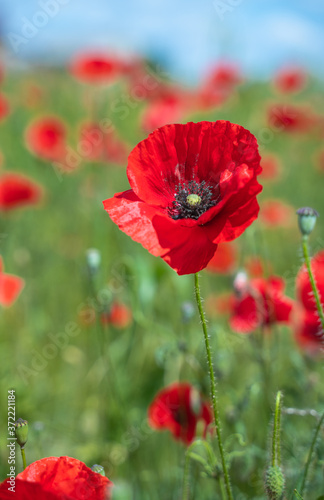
[192,199]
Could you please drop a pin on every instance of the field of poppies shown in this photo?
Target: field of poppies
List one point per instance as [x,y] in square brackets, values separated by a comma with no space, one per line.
[103,347]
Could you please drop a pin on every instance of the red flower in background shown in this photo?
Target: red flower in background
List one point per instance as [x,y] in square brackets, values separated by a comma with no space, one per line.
[290,80]
[178,408]
[224,260]
[219,85]
[120,316]
[289,118]
[96,68]
[16,191]
[101,145]
[275,213]
[193,186]
[270,167]
[163,110]
[308,330]
[4,107]
[260,302]
[55,478]
[46,138]
[10,287]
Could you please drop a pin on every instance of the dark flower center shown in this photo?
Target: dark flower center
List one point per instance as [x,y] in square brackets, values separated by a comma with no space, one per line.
[191,200]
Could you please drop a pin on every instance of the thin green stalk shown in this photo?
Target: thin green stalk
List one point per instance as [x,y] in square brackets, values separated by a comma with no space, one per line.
[276,458]
[23,456]
[186,482]
[213,390]
[310,454]
[312,280]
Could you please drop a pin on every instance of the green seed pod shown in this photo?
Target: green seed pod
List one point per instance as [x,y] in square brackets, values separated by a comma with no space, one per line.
[306,220]
[99,469]
[21,432]
[274,483]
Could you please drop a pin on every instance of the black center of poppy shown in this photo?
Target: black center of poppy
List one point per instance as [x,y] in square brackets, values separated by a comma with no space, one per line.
[191,200]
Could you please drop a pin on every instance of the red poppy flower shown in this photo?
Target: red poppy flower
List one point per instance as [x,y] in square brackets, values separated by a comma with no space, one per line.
[10,287]
[270,167]
[46,138]
[224,260]
[308,331]
[291,118]
[165,109]
[290,80]
[120,316]
[96,144]
[219,85]
[193,186]
[275,213]
[55,478]
[260,302]
[178,408]
[303,285]
[16,190]
[96,68]
[4,107]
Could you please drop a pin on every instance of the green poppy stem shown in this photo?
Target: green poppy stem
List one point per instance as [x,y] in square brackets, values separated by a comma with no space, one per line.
[276,458]
[310,454]
[23,456]
[312,279]
[213,389]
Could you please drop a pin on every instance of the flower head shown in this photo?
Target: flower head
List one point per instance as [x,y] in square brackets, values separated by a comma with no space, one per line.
[178,408]
[45,137]
[192,186]
[17,190]
[10,287]
[55,478]
[96,68]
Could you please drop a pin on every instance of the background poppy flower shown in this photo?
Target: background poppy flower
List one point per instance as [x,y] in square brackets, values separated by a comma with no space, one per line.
[276,213]
[4,107]
[224,260]
[289,118]
[178,408]
[303,286]
[96,68]
[165,109]
[290,80]
[10,287]
[55,478]
[120,316]
[16,190]
[46,138]
[270,167]
[193,186]
[260,303]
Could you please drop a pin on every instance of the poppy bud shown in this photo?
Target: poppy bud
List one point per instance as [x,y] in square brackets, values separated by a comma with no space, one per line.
[21,432]
[99,469]
[274,483]
[93,260]
[195,401]
[306,220]
[188,311]
[240,282]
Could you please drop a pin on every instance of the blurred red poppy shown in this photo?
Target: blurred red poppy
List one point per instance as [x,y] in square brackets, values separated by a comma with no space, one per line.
[218,86]
[4,106]
[303,286]
[308,331]
[120,316]
[178,408]
[193,186]
[10,287]
[290,80]
[96,68]
[163,110]
[275,213]
[260,302]
[270,167]
[46,138]
[97,144]
[224,260]
[290,118]
[55,478]
[16,191]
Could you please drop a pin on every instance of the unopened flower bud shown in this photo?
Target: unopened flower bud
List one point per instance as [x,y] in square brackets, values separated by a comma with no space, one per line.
[93,260]
[195,401]
[306,220]
[99,469]
[240,282]
[188,311]
[274,483]
[21,431]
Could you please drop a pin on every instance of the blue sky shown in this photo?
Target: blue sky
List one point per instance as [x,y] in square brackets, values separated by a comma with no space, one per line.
[185,35]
